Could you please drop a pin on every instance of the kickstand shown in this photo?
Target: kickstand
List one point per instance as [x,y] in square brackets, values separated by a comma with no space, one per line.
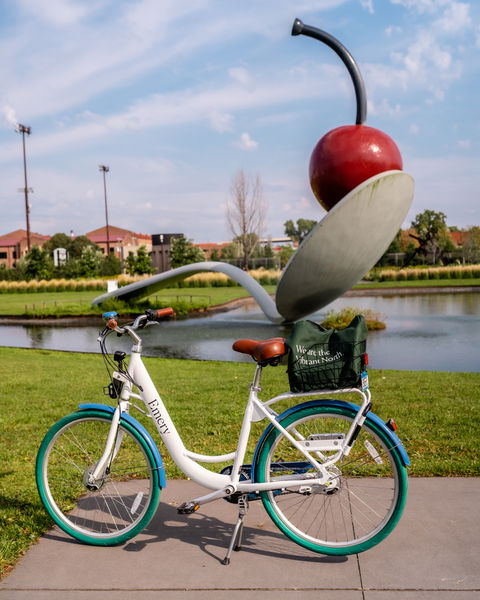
[236,541]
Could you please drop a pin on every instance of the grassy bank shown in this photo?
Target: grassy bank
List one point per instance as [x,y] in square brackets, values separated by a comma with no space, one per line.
[437,414]
[60,304]
[419,283]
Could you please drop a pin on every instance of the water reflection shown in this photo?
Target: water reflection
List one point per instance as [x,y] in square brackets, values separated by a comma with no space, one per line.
[439,332]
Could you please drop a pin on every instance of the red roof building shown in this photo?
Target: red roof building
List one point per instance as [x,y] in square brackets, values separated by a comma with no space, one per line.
[121,241]
[459,237]
[208,248]
[14,245]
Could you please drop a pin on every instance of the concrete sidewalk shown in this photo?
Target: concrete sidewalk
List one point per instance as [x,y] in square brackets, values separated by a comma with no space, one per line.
[434,553]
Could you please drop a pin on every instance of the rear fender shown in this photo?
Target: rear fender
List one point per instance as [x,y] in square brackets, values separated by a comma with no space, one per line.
[140,429]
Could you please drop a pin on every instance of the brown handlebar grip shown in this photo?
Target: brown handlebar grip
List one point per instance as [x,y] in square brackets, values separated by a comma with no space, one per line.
[161,313]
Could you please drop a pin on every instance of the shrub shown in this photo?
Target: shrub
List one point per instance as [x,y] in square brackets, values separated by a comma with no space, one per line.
[32,286]
[340,319]
[388,275]
[22,287]
[412,274]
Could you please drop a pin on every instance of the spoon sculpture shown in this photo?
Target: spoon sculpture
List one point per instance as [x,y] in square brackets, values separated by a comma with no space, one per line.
[355,173]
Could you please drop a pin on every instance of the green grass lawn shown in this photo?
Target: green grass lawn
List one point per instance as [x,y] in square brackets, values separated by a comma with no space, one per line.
[79,303]
[437,414]
[418,283]
[21,304]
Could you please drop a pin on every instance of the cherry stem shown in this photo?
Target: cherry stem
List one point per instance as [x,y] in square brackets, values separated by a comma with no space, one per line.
[300,29]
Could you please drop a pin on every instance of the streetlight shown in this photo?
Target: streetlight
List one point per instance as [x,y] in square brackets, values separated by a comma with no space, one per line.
[23,129]
[105,169]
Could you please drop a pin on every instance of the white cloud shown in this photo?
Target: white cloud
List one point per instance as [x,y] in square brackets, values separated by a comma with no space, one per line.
[414,128]
[465,144]
[384,108]
[215,105]
[240,75]
[455,18]
[221,122]
[58,13]
[423,51]
[246,143]
[421,6]
[9,113]
[393,29]
[368,5]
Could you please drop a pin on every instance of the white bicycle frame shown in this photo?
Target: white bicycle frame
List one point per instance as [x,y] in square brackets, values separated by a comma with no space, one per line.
[223,484]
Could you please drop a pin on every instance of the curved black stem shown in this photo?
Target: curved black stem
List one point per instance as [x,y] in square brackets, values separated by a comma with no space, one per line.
[300,29]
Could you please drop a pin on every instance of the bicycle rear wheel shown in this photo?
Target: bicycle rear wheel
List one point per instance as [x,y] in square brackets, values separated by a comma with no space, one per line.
[368,493]
[120,503]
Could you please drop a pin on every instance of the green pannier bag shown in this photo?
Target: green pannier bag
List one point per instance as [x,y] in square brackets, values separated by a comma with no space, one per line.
[322,358]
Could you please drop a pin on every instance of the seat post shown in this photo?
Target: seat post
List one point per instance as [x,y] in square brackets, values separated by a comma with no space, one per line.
[256,379]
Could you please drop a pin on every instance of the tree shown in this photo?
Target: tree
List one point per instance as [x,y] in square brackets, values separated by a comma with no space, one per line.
[110,265]
[78,245]
[246,211]
[143,262]
[471,248]
[183,252]
[74,246]
[432,234]
[394,248]
[58,240]
[230,251]
[38,264]
[89,262]
[300,232]
[130,263]
[285,255]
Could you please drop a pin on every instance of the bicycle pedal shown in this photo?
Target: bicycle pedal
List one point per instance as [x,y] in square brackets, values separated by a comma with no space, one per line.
[187,508]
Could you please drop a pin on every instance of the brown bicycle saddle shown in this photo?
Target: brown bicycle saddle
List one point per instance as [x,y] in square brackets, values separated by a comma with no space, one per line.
[263,351]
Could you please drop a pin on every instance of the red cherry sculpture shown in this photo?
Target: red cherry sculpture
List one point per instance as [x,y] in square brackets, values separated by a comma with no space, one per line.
[348,155]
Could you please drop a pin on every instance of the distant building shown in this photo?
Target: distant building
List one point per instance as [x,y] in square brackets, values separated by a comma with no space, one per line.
[14,245]
[459,237]
[161,249]
[211,247]
[122,241]
[277,243]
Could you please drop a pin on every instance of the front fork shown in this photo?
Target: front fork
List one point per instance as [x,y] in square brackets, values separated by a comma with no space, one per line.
[95,477]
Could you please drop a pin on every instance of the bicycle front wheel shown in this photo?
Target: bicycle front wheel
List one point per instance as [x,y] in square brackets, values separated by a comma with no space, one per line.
[120,503]
[366,497]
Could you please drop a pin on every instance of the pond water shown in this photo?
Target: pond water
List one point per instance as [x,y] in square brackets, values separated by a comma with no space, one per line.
[437,332]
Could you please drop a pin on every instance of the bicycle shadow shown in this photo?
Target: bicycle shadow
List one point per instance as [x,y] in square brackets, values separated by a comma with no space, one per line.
[211,534]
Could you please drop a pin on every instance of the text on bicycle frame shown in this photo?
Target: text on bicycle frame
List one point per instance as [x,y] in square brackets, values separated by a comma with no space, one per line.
[157,416]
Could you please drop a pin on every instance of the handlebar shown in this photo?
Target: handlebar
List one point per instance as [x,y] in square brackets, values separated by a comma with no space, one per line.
[150,317]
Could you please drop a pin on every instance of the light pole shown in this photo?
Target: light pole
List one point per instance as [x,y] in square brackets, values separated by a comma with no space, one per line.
[105,169]
[23,129]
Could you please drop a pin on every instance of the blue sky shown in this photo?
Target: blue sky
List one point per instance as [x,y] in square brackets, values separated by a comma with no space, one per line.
[175,97]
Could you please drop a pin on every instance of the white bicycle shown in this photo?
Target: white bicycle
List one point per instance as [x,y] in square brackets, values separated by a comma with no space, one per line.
[331,474]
